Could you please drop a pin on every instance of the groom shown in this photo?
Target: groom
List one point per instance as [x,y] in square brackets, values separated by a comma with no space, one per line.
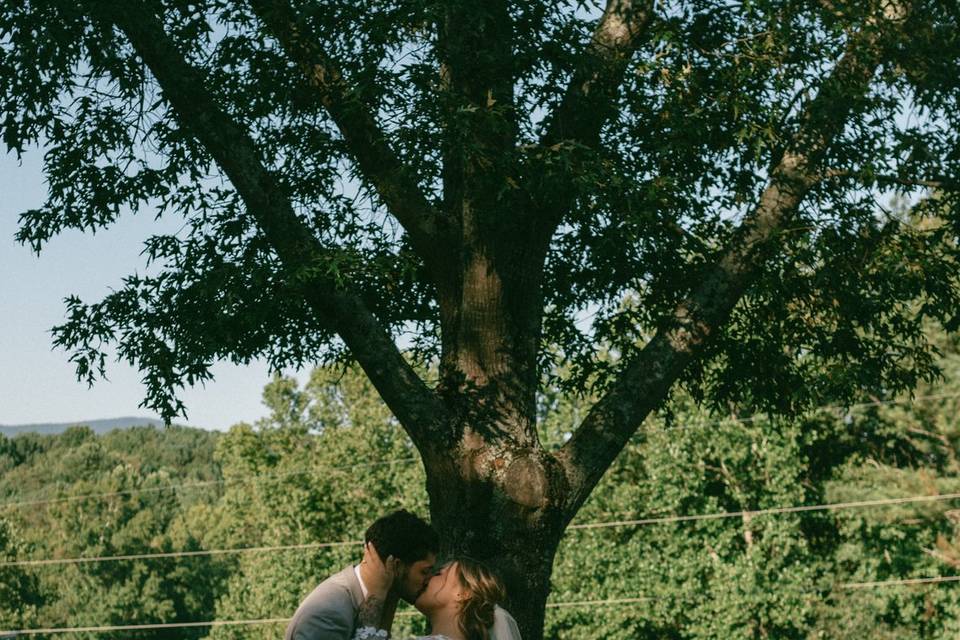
[330,611]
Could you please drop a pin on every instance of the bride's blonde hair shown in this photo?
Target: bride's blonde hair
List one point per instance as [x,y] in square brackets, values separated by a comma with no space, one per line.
[484,592]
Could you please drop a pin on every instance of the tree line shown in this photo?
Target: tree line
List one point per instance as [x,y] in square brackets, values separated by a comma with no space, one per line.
[330,455]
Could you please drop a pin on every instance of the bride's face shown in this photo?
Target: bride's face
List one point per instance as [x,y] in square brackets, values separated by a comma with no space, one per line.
[443,590]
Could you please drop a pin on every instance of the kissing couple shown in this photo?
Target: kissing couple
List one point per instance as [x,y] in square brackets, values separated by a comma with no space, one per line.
[461,597]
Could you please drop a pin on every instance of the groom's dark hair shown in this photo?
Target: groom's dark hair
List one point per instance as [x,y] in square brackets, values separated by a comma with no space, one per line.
[404,536]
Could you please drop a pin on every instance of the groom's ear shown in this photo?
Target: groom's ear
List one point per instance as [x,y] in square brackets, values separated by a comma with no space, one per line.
[403,570]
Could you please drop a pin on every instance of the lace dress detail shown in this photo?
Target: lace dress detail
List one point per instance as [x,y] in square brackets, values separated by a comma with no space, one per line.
[372,633]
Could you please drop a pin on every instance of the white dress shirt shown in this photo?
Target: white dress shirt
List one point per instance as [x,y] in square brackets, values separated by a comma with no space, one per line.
[363,587]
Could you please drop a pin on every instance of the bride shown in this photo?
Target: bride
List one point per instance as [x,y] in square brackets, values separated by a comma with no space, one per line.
[460,601]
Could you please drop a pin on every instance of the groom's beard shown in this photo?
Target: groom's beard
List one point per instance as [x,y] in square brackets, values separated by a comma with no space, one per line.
[403,592]
[420,592]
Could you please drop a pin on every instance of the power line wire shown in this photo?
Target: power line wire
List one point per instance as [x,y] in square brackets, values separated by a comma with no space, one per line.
[270,476]
[900,583]
[264,477]
[550,605]
[178,554]
[834,506]
[828,407]
[592,603]
[221,623]
[140,627]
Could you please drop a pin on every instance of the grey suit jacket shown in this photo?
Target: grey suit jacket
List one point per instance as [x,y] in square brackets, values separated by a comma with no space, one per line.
[330,611]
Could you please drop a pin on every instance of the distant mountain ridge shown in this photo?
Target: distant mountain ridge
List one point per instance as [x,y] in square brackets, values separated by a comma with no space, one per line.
[102,425]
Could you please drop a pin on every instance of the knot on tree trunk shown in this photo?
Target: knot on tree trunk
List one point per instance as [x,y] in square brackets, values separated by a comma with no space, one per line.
[525,483]
[508,484]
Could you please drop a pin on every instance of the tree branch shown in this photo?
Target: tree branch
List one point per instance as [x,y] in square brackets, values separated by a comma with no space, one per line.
[378,163]
[300,253]
[590,98]
[645,381]
[589,102]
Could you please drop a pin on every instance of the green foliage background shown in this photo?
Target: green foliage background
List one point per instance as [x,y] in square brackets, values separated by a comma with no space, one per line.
[330,458]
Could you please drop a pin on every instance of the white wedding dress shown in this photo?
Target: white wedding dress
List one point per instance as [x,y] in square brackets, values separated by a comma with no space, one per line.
[504,628]
[371,633]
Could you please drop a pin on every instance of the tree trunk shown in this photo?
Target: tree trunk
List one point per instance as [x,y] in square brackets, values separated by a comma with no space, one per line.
[501,506]
[528,589]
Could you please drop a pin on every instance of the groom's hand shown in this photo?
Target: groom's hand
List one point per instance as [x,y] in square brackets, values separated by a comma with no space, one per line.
[379,605]
[383,573]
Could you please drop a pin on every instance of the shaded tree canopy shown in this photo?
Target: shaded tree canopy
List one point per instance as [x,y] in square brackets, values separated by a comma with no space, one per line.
[629,197]
[640,140]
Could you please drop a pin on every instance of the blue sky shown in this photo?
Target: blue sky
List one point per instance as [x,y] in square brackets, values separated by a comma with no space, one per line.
[37,383]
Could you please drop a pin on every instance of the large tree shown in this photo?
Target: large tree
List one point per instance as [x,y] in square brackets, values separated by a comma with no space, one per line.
[639,195]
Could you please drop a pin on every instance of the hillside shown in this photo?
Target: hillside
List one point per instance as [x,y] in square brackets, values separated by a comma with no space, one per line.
[100,426]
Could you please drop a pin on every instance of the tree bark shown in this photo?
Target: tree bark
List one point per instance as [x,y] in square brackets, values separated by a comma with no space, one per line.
[502,506]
